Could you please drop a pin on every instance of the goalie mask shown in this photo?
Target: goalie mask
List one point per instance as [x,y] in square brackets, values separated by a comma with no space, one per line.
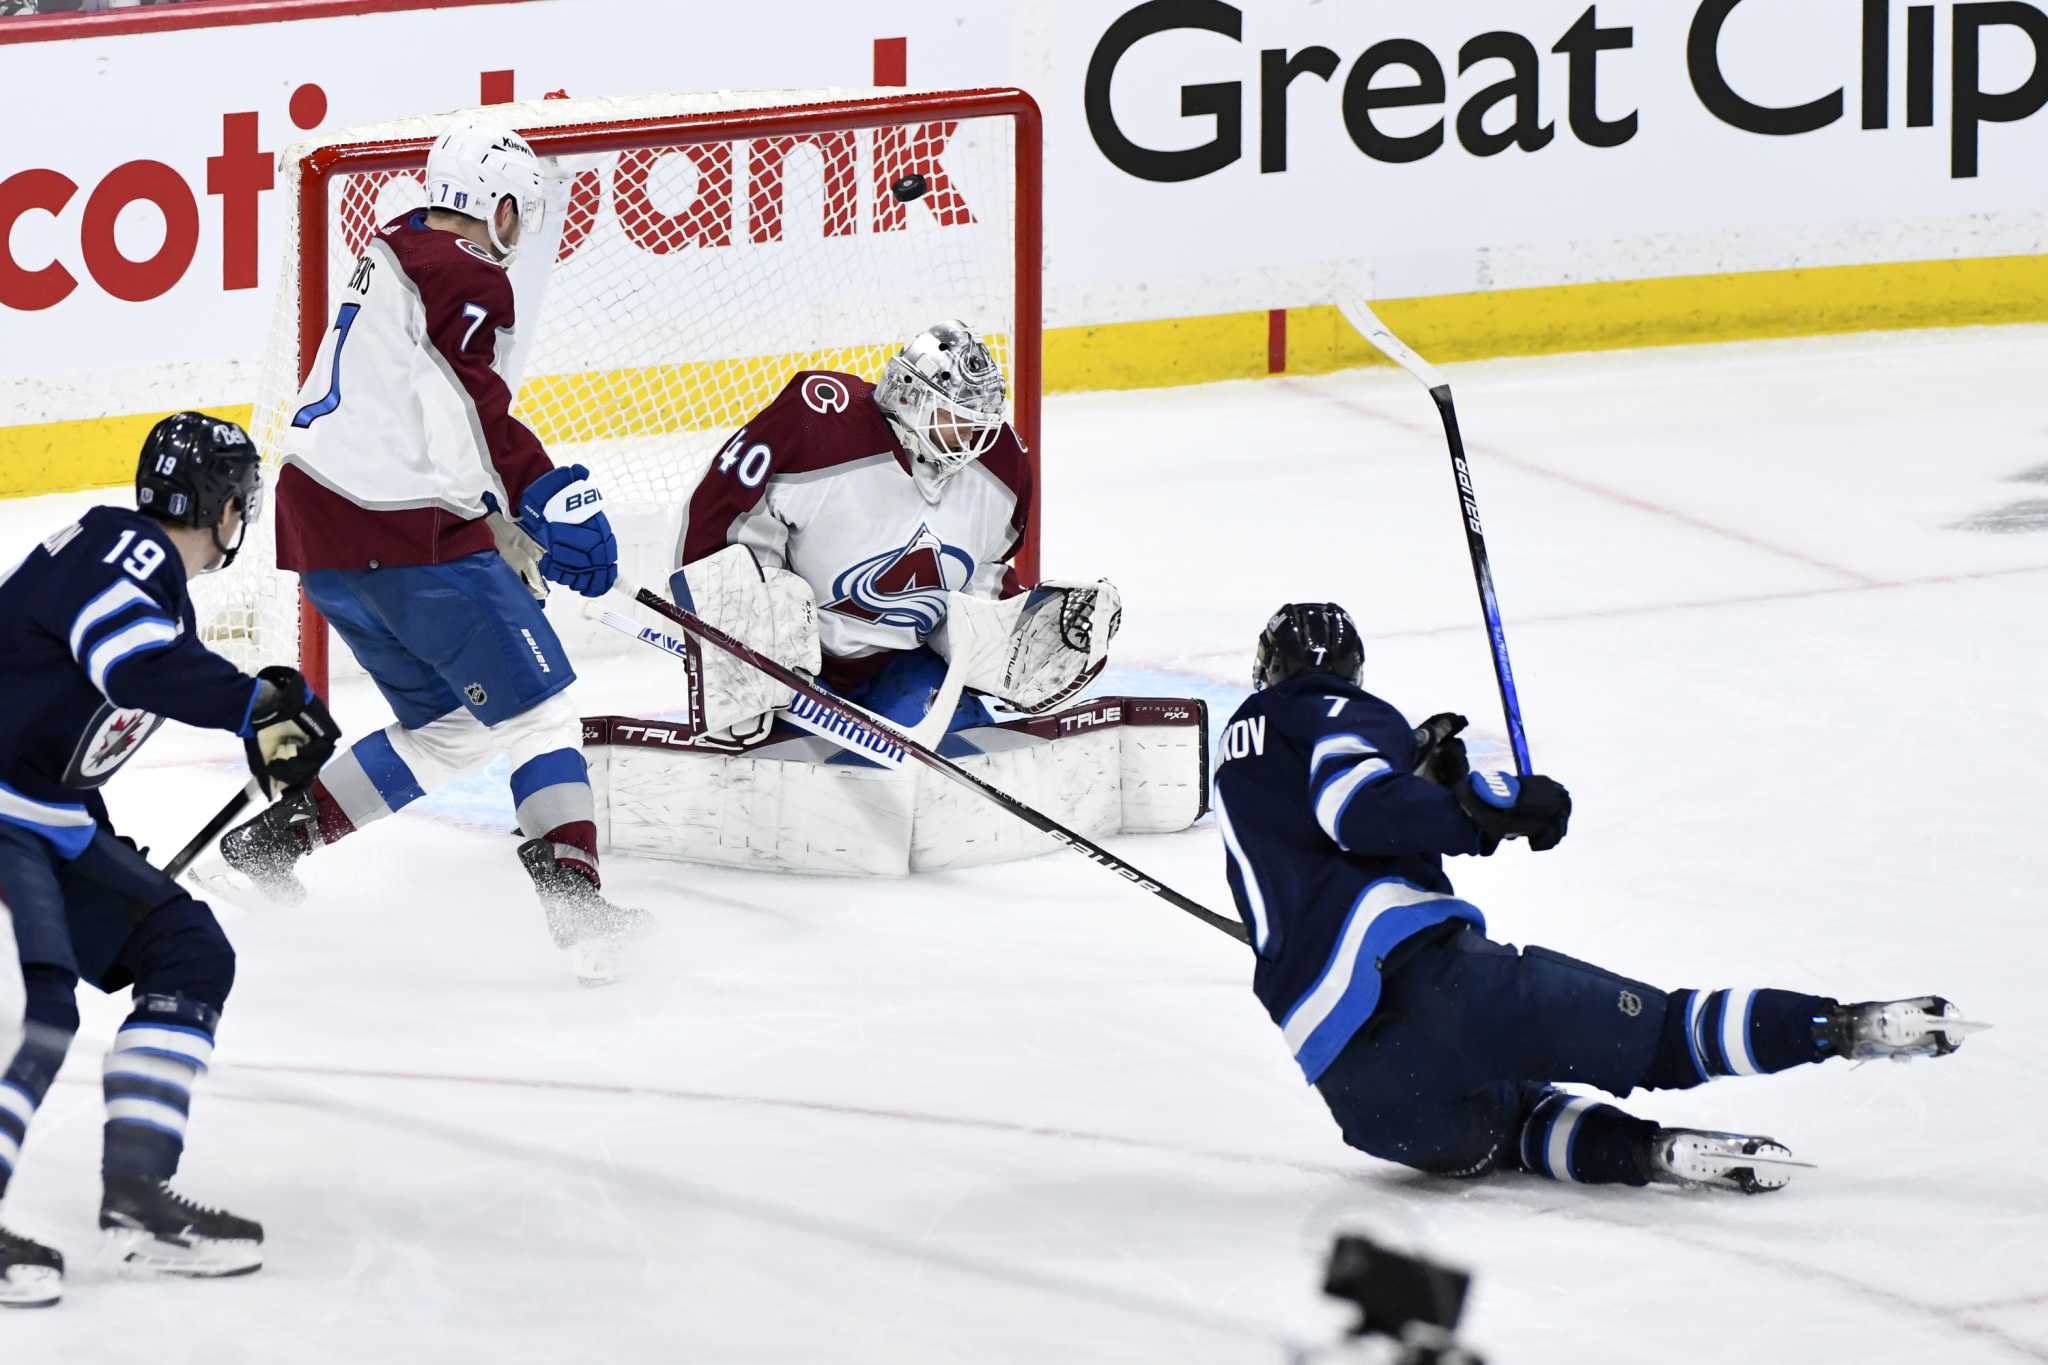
[944,394]
[473,169]
[1308,637]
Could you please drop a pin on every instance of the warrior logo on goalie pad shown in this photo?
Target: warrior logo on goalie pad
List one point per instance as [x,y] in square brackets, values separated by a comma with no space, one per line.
[905,588]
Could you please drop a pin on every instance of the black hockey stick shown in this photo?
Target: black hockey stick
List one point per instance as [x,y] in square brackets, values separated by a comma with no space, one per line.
[222,818]
[862,733]
[1372,329]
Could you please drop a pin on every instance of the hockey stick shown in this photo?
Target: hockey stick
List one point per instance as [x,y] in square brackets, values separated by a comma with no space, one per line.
[859,732]
[222,818]
[1361,316]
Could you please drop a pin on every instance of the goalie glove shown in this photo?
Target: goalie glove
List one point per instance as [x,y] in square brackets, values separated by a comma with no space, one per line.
[1037,649]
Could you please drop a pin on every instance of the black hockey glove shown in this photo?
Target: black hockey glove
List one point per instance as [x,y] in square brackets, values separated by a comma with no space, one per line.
[1439,753]
[291,735]
[1507,807]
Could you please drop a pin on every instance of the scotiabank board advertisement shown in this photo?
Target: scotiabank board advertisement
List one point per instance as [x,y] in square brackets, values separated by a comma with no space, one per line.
[1202,157]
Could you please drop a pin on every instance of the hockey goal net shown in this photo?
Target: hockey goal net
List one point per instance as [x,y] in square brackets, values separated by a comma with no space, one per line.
[698,250]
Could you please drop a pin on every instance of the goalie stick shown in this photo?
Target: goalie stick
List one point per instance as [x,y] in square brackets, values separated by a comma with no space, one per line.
[1369,326]
[872,738]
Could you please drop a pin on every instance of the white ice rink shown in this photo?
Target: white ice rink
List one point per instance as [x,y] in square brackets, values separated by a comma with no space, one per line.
[1024,1115]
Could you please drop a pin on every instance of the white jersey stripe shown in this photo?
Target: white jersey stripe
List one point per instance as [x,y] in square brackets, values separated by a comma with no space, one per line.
[1254,896]
[122,594]
[151,632]
[1338,791]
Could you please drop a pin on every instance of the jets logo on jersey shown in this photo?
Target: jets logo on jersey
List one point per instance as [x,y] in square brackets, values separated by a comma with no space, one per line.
[110,740]
[905,587]
[825,395]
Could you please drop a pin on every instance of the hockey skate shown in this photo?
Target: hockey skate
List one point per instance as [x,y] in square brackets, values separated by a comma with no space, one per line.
[1737,1161]
[1924,1026]
[268,848]
[597,935]
[31,1274]
[151,1228]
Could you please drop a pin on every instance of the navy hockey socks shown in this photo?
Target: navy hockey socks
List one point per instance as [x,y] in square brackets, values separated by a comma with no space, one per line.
[1710,1034]
[50,1020]
[1582,1141]
[22,1087]
[156,1057]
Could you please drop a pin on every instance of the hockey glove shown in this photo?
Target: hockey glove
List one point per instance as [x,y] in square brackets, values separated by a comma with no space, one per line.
[1507,807]
[1439,753]
[290,735]
[564,511]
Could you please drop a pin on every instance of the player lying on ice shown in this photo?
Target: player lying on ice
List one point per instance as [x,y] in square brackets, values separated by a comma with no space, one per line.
[403,447]
[831,529]
[97,629]
[1433,1045]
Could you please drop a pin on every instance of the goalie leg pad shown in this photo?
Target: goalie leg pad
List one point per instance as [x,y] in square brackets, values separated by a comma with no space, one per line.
[770,610]
[1131,765]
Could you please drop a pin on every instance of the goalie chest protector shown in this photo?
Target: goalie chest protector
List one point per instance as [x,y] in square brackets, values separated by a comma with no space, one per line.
[818,484]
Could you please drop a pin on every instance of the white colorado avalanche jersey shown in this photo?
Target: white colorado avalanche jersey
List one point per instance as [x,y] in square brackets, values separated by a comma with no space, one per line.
[405,422]
[818,484]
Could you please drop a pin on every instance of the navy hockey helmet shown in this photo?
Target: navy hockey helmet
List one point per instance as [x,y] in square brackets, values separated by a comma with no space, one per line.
[1305,637]
[192,467]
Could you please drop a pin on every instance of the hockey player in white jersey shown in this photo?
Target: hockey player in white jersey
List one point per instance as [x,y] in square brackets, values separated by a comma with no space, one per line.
[403,469]
[865,507]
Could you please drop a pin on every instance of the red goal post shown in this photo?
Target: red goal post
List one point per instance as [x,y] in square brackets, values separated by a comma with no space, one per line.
[649,412]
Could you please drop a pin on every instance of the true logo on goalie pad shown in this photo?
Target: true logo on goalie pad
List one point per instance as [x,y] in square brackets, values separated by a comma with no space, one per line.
[905,588]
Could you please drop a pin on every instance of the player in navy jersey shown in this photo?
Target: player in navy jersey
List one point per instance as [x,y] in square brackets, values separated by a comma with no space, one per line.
[1433,1045]
[97,629]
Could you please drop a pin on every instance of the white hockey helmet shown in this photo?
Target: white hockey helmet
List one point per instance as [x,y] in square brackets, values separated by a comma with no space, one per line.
[945,394]
[474,167]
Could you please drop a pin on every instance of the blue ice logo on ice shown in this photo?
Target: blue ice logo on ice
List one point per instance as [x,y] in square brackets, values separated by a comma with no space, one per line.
[904,588]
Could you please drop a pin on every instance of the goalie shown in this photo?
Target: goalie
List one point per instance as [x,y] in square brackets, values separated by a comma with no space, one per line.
[831,529]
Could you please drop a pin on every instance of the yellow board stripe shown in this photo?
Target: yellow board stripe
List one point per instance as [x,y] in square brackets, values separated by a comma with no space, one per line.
[52,457]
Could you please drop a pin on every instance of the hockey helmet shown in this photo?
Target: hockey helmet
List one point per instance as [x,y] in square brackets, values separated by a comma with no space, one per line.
[192,467]
[473,168]
[1308,637]
[944,392]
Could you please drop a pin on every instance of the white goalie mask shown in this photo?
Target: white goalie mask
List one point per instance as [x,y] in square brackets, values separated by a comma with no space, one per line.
[944,393]
[474,168]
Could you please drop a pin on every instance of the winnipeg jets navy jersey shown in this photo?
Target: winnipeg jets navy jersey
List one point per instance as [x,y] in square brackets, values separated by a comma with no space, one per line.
[1334,851]
[97,630]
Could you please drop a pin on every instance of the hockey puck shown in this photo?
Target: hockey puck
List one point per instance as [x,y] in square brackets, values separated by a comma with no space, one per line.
[912,186]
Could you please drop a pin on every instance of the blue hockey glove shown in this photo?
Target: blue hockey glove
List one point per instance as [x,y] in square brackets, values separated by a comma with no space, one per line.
[564,511]
[1507,807]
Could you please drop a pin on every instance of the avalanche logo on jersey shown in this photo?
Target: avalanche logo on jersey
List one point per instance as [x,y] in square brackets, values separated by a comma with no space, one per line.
[110,740]
[905,588]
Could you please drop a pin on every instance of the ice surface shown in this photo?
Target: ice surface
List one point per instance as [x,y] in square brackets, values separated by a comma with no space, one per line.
[1022,1114]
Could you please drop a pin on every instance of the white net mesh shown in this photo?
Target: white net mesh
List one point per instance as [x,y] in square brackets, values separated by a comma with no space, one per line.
[688,283]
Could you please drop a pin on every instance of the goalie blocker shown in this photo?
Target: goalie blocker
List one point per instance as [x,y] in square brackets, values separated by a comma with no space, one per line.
[798,804]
